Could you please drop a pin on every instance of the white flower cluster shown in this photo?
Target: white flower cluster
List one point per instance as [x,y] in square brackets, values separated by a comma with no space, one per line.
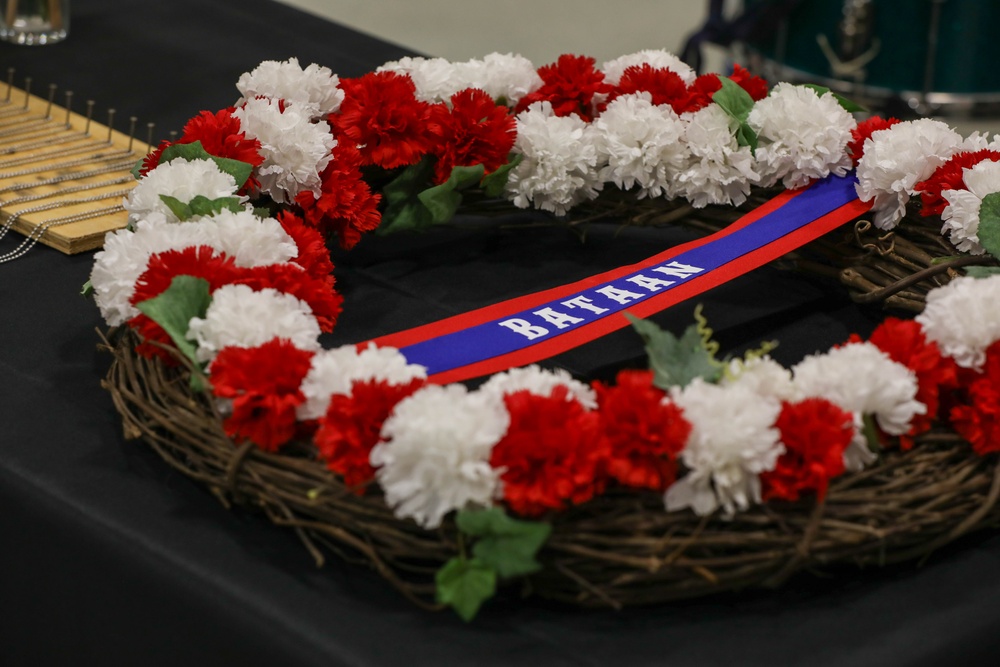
[961,215]
[295,149]
[502,76]
[896,159]
[963,319]
[181,179]
[313,91]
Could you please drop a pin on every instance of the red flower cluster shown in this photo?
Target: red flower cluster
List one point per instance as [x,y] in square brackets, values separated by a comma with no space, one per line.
[220,135]
[949,176]
[978,419]
[352,425]
[573,85]
[553,453]
[474,131]
[865,129]
[645,433]
[381,115]
[346,206]
[815,433]
[699,95]
[263,383]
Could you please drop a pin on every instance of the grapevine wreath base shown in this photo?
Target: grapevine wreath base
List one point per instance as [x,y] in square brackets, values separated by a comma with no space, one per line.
[620,548]
[875,452]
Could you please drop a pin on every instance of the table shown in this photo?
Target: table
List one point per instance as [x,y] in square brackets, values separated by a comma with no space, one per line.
[109,557]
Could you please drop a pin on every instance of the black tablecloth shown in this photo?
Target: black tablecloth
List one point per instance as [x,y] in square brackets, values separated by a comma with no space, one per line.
[108,557]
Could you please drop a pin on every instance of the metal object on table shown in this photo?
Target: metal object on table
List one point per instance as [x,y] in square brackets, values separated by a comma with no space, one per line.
[902,57]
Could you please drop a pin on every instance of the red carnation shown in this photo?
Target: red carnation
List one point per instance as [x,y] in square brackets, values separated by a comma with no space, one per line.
[865,129]
[222,135]
[755,86]
[197,261]
[352,426]
[815,433]
[292,279]
[664,86]
[263,383]
[949,176]
[476,130]
[573,85]
[346,206]
[552,455]
[381,115]
[313,255]
[978,421]
[905,343]
[152,159]
[645,433]
[699,94]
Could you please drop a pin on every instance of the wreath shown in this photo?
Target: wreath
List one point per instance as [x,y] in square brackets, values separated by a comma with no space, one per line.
[696,475]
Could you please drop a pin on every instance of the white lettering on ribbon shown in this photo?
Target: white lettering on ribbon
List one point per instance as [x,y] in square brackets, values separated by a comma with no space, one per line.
[649,283]
[678,270]
[525,328]
[620,295]
[560,320]
[585,303]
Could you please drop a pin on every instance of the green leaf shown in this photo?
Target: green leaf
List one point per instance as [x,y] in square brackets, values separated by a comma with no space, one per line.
[138,168]
[745,136]
[989,224]
[849,105]
[202,205]
[676,361]
[177,207]
[173,309]
[982,271]
[195,151]
[403,210]
[464,585]
[87,289]
[507,545]
[443,200]
[495,183]
[733,99]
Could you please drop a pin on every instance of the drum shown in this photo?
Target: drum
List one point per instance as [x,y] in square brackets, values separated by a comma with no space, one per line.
[918,56]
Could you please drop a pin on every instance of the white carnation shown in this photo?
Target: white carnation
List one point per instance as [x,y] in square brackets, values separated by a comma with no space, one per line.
[802,136]
[539,382]
[642,144]
[732,441]
[241,317]
[435,456]
[963,319]
[961,215]
[249,240]
[862,379]
[334,372]
[896,159]
[503,76]
[719,171]
[314,90]
[435,79]
[295,149]
[181,179]
[763,376]
[559,165]
[657,59]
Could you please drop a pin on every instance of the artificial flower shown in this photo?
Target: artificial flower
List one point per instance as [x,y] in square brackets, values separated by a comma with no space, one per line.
[949,176]
[572,86]
[242,317]
[434,457]
[644,429]
[552,454]
[895,159]
[262,385]
[313,90]
[961,215]
[719,170]
[962,319]
[181,179]
[732,441]
[642,145]
[802,136]
[474,130]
